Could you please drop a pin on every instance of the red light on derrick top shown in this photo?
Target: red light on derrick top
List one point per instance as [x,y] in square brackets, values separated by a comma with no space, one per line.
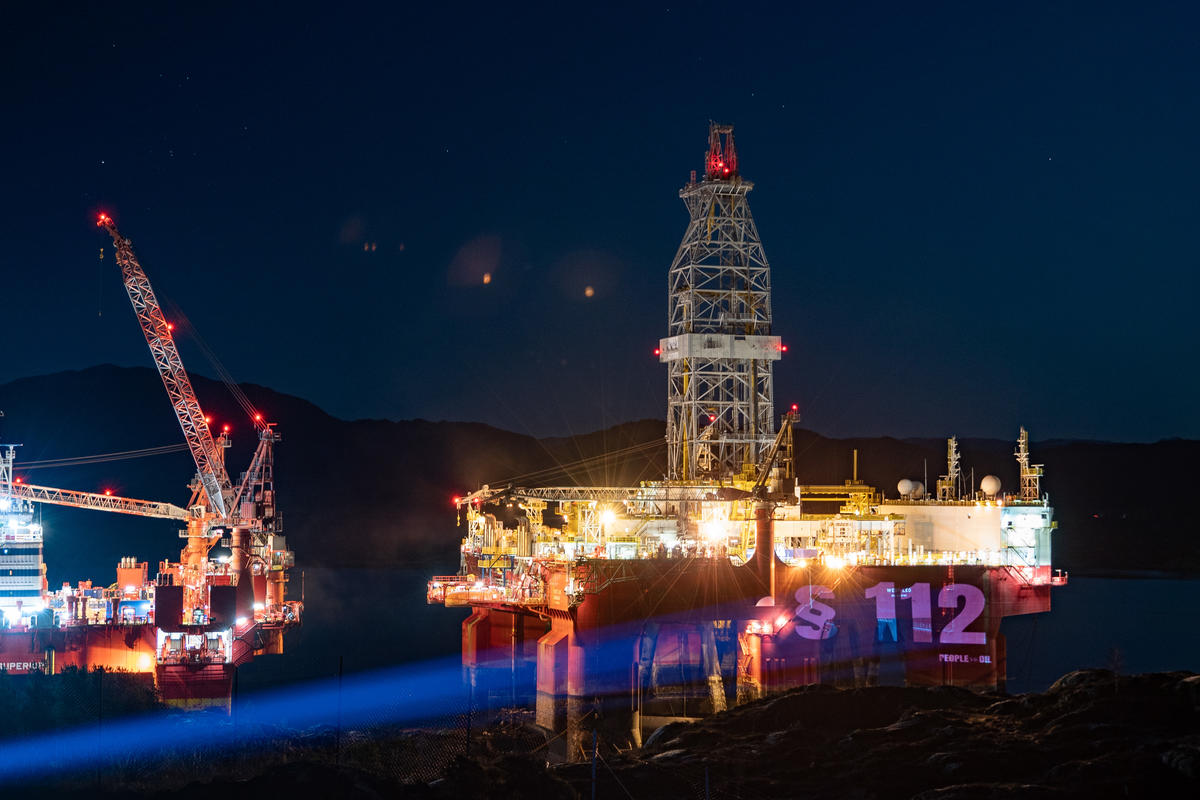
[108,492]
[18,480]
[657,351]
[208,420]
[103,218]
[721,162]
[795,408]
[783,348]
[170,326]
[224,429]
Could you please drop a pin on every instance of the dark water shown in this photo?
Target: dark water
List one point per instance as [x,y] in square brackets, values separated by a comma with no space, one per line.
[378,618]
[1131,625]
[369,618]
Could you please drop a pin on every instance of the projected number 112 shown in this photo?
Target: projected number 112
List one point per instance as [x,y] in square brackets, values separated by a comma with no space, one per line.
[921,595]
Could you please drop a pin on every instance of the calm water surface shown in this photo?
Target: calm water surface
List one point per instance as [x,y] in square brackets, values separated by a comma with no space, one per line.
[377,618]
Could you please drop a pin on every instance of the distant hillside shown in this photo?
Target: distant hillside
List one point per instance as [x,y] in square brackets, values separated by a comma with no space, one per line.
[379,492]
[363,492]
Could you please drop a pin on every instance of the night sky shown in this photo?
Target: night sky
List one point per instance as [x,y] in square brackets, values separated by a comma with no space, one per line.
[977,216]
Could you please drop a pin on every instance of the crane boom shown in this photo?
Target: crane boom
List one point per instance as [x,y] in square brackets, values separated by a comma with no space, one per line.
[97,501]
[210,465]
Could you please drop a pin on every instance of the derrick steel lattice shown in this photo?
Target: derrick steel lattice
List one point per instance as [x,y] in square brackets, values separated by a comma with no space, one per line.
[210,463]
[719,354]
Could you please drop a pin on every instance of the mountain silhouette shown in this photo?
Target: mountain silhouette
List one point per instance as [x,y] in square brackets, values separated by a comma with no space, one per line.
[380,492]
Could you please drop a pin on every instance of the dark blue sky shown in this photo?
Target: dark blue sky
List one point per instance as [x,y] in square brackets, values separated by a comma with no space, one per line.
[977,216]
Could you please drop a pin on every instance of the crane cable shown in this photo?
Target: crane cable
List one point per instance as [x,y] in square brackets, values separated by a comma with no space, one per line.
[121,455]
[584,462]
[222,373]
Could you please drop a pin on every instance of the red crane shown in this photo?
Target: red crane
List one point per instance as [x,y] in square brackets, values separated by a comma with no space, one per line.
[245,513]
[206,452]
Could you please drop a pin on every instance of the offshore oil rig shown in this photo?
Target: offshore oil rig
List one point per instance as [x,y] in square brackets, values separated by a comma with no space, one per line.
[618,609]
[192,624]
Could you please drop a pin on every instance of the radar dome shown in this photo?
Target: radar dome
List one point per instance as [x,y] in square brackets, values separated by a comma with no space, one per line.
[990,485]
[918,490]
[904,487]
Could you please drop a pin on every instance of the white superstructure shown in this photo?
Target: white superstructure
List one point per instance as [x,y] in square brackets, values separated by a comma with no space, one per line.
[22,571]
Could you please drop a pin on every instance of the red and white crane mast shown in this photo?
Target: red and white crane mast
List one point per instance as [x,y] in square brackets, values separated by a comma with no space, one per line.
[245,513]
[206,452]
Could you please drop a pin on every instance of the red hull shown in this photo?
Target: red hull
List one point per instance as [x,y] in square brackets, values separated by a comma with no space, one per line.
[660,639]
[132,648]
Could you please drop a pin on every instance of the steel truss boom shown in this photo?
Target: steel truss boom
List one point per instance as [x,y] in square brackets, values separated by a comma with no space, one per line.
[97,501]
[665,493]
[210,464]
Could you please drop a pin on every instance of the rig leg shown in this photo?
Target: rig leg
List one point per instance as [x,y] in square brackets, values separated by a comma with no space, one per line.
[712,667]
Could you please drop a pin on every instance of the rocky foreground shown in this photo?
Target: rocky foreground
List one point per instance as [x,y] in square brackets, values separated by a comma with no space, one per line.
[1092,734]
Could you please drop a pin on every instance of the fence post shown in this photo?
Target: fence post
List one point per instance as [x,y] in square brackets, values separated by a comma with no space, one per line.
[99,727]
[338,756]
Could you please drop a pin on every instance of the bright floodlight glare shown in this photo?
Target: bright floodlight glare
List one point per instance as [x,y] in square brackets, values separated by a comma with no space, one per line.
[608,517]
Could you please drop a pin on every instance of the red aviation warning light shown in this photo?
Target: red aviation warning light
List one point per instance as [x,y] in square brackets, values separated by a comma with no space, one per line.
[103,220]
[721,161]
[657,351]
[795,408]
[108,492]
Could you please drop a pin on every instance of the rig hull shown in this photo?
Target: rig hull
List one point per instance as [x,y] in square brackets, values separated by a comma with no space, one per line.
[633,656]
[133,648]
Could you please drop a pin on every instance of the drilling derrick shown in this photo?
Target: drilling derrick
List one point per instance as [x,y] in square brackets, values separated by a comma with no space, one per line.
[720,351]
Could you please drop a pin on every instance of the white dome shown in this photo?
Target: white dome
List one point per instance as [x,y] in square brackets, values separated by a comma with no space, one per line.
[904,487]
[990,485]
[918,490]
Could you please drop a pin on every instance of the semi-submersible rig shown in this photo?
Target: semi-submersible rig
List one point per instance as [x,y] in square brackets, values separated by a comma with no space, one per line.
[623,608]
[190,626]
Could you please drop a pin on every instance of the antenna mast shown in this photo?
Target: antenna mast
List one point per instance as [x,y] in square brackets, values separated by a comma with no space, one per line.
[1031,474]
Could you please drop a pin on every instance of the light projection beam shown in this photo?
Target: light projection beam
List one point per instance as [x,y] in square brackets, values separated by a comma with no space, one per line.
[404,695]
